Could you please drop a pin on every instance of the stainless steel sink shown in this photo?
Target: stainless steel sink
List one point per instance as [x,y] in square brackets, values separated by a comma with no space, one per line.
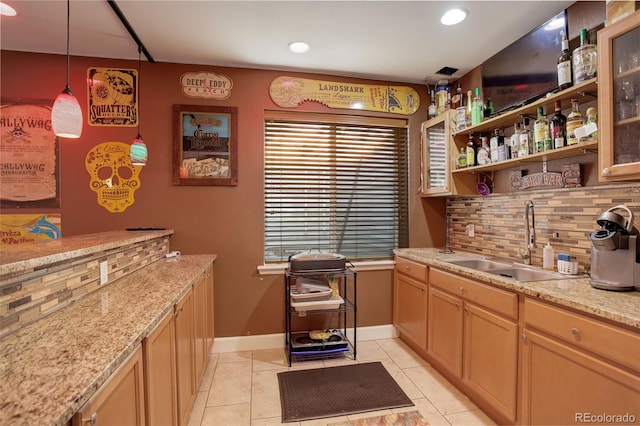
[523,274]
[478,264]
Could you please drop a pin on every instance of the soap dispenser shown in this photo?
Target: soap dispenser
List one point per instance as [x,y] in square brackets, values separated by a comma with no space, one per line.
[547,257]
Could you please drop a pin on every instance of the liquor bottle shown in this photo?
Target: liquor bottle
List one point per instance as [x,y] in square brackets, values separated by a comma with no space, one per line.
[526,140]
[574,120]
[447,104]
[471,151]
[432,106]
[503,150]
[515,141]
[477,108]
[456,100]
[488,109]
[539,127]
[548,143]
[469,107]
[483,155]
[558,126]
[585,59]
[495,142]
[564,65]
[462,158]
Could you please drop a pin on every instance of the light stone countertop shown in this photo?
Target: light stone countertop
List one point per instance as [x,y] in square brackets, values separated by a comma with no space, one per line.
[22,257]
[50,369]
[575,293]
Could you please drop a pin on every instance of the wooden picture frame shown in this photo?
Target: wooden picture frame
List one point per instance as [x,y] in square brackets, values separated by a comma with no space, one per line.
[205,149]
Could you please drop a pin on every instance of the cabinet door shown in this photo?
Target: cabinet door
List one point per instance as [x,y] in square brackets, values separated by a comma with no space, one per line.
[445,330]
[209,329]
[490,358]
[562,385]
[619,100]
[185,368]
[120,401]
[200,325]
[159,349]
[410,309]
[436,159]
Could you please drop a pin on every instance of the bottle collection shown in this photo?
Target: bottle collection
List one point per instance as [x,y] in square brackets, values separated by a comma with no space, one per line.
[546,134]
[573,67]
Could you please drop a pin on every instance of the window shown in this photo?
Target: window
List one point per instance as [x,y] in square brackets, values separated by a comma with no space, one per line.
[335,184]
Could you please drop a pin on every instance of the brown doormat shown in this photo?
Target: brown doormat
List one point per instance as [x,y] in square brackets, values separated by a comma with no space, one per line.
[338,391]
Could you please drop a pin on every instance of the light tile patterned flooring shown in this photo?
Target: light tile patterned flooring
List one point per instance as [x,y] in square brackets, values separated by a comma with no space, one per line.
[241,388]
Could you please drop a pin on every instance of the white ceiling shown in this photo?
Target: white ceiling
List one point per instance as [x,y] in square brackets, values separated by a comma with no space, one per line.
[389,40]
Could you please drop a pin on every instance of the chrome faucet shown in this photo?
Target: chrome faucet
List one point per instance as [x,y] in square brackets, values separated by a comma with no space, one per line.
[529,232]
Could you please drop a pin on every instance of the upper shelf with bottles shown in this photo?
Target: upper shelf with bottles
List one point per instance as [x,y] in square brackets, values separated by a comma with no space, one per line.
[584,92]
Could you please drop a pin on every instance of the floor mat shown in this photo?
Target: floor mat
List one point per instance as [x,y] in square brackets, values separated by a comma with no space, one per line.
[338,391]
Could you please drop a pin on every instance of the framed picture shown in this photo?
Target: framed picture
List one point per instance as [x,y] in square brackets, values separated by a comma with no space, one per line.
[205,150]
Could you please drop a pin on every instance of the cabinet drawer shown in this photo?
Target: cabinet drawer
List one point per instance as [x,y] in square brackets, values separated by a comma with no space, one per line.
[413,269]
[501,301]
[617,344]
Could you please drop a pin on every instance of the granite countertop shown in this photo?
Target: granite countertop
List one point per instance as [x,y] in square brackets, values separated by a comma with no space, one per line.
[576,293]
[50,369]
[21,257]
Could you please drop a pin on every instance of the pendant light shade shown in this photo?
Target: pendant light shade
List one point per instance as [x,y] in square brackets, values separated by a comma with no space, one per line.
[138,152]
[66,115]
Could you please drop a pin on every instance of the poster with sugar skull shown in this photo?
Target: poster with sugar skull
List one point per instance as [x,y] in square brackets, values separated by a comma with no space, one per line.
[112,176]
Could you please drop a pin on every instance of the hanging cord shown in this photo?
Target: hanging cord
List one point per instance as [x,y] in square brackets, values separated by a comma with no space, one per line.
[68,57]
[138,82]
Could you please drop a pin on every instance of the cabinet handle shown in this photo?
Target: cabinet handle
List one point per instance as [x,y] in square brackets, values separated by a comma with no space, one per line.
[606,171]
[461,289]
[466,309]
[91,420]
[178,311]
[457,305]
[524,338]
[575,332]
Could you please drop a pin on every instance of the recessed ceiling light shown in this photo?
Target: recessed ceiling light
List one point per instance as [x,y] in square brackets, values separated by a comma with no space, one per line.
[298,46]
[6,10]
[453,16]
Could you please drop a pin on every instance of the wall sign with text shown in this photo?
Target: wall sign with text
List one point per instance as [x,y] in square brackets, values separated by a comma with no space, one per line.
[206,85]
[113,97]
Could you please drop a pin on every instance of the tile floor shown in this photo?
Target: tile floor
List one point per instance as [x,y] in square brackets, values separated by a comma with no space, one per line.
[241,388]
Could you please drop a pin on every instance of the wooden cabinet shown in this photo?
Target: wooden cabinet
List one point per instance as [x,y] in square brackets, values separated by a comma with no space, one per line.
[445,330]
[209,328]
[619,100]
[573,367]
[185,357]
[200,306]
[410,302]
[120,401]
[159,349]
[473,335]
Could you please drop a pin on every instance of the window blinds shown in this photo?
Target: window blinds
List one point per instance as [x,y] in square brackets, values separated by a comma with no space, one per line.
[335,186]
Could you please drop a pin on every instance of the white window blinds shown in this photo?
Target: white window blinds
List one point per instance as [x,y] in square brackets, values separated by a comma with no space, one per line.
[337,187]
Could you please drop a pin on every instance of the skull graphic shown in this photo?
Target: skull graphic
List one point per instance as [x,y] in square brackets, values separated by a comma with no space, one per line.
[113,178]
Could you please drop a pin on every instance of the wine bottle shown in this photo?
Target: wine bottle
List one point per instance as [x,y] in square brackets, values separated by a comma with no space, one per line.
[469,107]
[515,141]
[471,151]
[539,127]
[564,65]
[558,126]
[432,106]
[526,140]
[574,120]
[483,155]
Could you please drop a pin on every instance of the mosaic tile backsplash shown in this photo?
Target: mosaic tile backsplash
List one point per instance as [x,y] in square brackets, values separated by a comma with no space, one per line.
[26,297]
[499,224]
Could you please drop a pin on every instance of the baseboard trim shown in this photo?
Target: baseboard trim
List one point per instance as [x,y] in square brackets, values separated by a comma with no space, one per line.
[273,341]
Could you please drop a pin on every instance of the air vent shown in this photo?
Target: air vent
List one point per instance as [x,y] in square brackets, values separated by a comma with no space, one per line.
[447,71]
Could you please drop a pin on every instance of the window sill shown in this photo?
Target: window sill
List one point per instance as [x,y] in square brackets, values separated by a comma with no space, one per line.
[372,265]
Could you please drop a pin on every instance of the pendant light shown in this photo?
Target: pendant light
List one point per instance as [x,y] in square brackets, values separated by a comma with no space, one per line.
[138,150]
[66,115]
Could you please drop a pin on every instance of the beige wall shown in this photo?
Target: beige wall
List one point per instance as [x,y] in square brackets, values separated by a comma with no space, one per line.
[227,221]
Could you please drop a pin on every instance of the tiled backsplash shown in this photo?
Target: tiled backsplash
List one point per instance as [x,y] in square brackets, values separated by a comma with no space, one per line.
[498,220]
[29,296]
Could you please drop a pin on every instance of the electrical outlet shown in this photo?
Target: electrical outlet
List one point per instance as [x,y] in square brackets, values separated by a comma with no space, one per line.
[471,230]
[104,272]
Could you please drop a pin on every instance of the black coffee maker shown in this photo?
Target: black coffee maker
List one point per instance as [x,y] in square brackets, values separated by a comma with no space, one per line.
[615,252]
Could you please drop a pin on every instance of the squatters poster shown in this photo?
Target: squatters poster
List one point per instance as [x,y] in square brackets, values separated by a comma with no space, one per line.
[28,157]
[113,97]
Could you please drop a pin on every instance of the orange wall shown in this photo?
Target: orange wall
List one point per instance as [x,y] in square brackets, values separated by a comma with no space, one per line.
[227,221]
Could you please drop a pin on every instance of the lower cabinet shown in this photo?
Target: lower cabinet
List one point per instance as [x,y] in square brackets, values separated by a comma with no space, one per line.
[161,399]
[410,309]
[473,335]
[200,325]
[120,401]
[185,357]
[577,370]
